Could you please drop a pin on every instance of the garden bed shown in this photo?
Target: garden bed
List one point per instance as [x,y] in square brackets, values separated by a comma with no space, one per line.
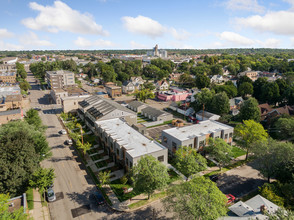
[118,188]
[237,152]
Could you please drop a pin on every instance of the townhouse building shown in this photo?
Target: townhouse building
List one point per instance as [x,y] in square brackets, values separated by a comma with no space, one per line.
[196,136]
[59,79]
[8,77]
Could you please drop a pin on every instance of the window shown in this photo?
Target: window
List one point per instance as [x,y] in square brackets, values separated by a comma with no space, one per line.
[164,139]
[161,158]
[174,144]
[226,136]
[190,145]
[231,135]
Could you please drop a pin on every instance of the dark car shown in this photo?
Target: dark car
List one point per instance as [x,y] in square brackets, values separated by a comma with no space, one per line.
[99,198]
[214,178]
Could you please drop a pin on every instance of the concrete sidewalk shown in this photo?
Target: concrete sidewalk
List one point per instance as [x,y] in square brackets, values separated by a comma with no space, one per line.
[39,211]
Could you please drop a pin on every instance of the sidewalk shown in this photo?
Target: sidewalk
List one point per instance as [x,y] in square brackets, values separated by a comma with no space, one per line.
[39,212]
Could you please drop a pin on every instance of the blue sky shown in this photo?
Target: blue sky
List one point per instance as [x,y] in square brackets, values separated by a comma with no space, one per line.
[136,24]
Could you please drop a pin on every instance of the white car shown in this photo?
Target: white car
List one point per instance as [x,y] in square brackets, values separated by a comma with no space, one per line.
[62,131]
[69,142]
[51,195]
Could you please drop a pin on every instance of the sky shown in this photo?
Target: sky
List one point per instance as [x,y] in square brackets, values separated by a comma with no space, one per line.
[137,24]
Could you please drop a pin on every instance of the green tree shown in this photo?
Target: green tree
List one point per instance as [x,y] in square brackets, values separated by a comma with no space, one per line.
[268,192]
[245,89]
[84,146]
[104,177]
[242,80]
[149,86]
[220,150]
[257,87]
[284,128]
[5,214]
[220,104]
[270,93]
[203,98]
[249,110]
[197,199]
[202,81]
[149,174]
[249,133]
[281,214]
[25,86]
[42,178]
[189,162]
[289,94]
[144,94]
[32,117]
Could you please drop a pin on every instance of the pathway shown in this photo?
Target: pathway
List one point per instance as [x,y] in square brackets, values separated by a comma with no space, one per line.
[39,211]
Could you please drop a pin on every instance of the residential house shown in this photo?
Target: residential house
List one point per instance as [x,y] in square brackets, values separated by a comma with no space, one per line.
[264,110]
[96,108]
[253,208]
[162,85]
[126,145]
[155,114]
[137,81]
[8,77]
[217,79]
[235,103]
[284,110]
[137,106]
[204,115]
[18,202]
[113,91]
[253,75]
[196,136]
[128,87]
[59,79]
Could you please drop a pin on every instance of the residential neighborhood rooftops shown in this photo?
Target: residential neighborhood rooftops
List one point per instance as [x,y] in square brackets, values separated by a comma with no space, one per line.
[196,130]
[134,142]
[154,111]
[136,104]
[10,112]
[7,73]
[9,90]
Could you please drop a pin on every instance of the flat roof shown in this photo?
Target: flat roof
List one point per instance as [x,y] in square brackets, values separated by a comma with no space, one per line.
[9,90]
[10,112]
[7,73]
[133,141]
[59,72]
[197,130]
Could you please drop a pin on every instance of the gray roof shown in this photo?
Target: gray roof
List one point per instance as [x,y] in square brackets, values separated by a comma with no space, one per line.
[206,114]
[10,112]
[59,72]
[136,104]
[154,111]
[127,83]
[235,101]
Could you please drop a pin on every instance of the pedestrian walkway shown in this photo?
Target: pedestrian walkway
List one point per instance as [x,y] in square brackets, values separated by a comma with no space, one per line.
[39,212]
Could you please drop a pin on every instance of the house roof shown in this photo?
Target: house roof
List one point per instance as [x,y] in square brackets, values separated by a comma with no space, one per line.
[136,104]
[196,130]
[134,142]
[236,101]
[127,83]
[154,111]
[207,114]
[264,108]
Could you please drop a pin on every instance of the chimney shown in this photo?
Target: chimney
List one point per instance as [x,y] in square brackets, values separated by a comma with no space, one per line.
[263,209]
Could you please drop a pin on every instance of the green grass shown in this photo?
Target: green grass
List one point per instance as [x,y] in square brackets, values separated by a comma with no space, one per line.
[237,152]
[146,201]
[164,123]
[173,176]
[43,200]
[30,198]
[117,188]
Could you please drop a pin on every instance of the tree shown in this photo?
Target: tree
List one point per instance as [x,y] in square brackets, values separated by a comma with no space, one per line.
[5,214]
[24,85]
[245,89]
[249,133]
[257,87]
[104,177]
[220,150]
[242,80]
[202,81]
[220,104]
[203,98]
[289,94]
[149,174]
[42,178]
[281,214]
[268,192]
[149,86]
[84,146]
[144,94]
[197,199]
[32,117]
[249,110]
[188,161]
[270,93]
[284,128]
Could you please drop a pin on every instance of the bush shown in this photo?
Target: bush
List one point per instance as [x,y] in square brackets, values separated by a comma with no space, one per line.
[269,191]
[124,180]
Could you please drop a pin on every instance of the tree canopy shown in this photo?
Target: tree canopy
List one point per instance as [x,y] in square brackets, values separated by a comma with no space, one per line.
[249,110]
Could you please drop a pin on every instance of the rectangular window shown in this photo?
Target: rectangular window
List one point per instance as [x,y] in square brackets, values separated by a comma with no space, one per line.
[174,144]
[164,139]
[161,158]
[226,136]
[231,135]
[127,161]
[131,164]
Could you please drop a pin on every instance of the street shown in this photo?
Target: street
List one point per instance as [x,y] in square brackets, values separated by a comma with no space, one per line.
[73,186]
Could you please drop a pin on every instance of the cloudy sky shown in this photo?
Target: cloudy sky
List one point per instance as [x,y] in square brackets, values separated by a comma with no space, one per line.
[136,24]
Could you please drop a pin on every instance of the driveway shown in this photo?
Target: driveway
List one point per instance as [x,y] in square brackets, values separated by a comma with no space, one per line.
[241,180]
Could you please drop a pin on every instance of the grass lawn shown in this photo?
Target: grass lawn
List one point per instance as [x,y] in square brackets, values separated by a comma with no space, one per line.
[30,198]
[43,200]
[146,201]
[164,123]
[117,188]
[237,152]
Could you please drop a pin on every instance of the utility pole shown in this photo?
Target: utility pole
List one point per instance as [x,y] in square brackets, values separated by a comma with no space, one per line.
[203,113]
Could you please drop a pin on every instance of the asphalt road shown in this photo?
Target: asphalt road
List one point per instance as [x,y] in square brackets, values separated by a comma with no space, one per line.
[73,186]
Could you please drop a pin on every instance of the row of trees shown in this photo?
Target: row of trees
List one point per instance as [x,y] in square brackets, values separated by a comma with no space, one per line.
[21,76]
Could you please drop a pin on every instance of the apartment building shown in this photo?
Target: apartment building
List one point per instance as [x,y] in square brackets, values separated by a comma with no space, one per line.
[196,136]
[96,108]
[113,91]
[8,77]
[59,79]
[125,144]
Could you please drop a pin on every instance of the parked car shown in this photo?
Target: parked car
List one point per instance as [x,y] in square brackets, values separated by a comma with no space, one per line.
[69,142]
[231,198]
[214,178]
[99,198]
[62,131]
[38,109]
[51,195]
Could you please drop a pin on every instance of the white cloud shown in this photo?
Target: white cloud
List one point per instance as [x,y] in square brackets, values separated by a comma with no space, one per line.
[135,45]
[244,5]
[180,34]
[100,43]
[270,43]
[235,39]
[144,26]
[60,17]
[279,22]
[31,39]
[8,46]
[4,33]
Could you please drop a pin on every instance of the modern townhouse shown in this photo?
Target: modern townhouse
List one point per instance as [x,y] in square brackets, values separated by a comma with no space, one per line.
[126,145]
[59,79]
[196,136]
[155,114]
[136,106]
